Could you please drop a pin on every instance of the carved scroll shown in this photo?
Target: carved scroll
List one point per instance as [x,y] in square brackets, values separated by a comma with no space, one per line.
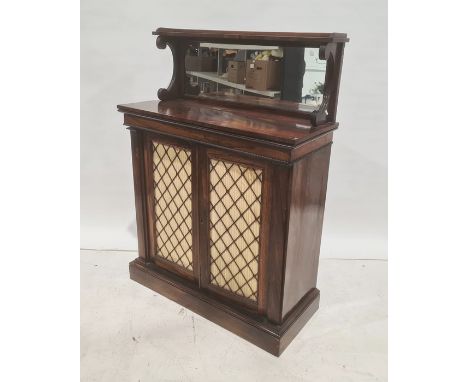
[320,116]
[333,53]
[326,52]
[176,86]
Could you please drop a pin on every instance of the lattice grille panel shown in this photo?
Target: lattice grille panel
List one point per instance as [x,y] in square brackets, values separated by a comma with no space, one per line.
[172,180]
[235,206]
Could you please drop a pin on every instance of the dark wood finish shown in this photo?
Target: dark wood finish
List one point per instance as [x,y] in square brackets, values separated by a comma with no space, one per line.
[283,188]
[282,129]
[139,183]
[310,146]
[299,39]
[308,190]
[279,213]
[334,70]
[176,86]
[204,219]
[331,49]
[253,328]
[210,137]
[249,102]
[294,159]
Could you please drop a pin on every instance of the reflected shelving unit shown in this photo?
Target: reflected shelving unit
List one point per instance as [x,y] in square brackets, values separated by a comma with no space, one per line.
[217,77]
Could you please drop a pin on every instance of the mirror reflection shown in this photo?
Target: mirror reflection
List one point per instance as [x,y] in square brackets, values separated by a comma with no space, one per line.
[266,74]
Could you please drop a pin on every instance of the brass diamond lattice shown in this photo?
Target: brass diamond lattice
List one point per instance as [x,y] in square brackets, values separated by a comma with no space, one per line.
[172,181]
[235,205]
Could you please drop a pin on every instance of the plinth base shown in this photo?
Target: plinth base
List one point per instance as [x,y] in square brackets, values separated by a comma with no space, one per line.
[253,328]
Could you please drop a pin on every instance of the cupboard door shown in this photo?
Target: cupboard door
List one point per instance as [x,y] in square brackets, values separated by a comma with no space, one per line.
[171,205]
[236,189]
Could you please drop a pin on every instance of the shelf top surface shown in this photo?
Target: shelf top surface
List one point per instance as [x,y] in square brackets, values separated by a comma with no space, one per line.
[264,125]
[213,35]
[213,76]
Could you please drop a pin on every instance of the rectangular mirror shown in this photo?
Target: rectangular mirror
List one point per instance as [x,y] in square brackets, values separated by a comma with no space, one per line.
[279,76]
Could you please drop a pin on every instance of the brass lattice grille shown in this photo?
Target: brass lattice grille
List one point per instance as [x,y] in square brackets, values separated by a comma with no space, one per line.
[172,180]
[235,204]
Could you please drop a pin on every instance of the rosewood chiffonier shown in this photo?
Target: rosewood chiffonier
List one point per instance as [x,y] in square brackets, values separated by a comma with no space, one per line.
[230,177]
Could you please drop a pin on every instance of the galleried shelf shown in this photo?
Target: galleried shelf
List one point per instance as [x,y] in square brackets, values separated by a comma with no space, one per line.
[230,175]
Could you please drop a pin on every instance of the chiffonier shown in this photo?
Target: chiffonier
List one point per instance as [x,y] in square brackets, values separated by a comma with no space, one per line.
[230,170]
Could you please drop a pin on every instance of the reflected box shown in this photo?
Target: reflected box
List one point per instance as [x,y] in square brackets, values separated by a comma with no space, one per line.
[200,63]
[263,75]
[236,72]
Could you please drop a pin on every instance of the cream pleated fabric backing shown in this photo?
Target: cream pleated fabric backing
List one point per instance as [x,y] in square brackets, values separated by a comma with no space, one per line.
[172,171]
[235,205]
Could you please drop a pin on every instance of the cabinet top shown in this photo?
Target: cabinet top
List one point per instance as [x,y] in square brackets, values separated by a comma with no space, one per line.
[267,126]
[239,36]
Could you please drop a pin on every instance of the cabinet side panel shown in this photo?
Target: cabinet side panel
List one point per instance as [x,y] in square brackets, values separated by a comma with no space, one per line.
[309,187]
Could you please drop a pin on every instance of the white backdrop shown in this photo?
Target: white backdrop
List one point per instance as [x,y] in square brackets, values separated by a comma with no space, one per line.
[120,64]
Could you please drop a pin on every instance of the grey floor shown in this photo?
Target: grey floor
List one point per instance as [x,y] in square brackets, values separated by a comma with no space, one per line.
[130,333]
